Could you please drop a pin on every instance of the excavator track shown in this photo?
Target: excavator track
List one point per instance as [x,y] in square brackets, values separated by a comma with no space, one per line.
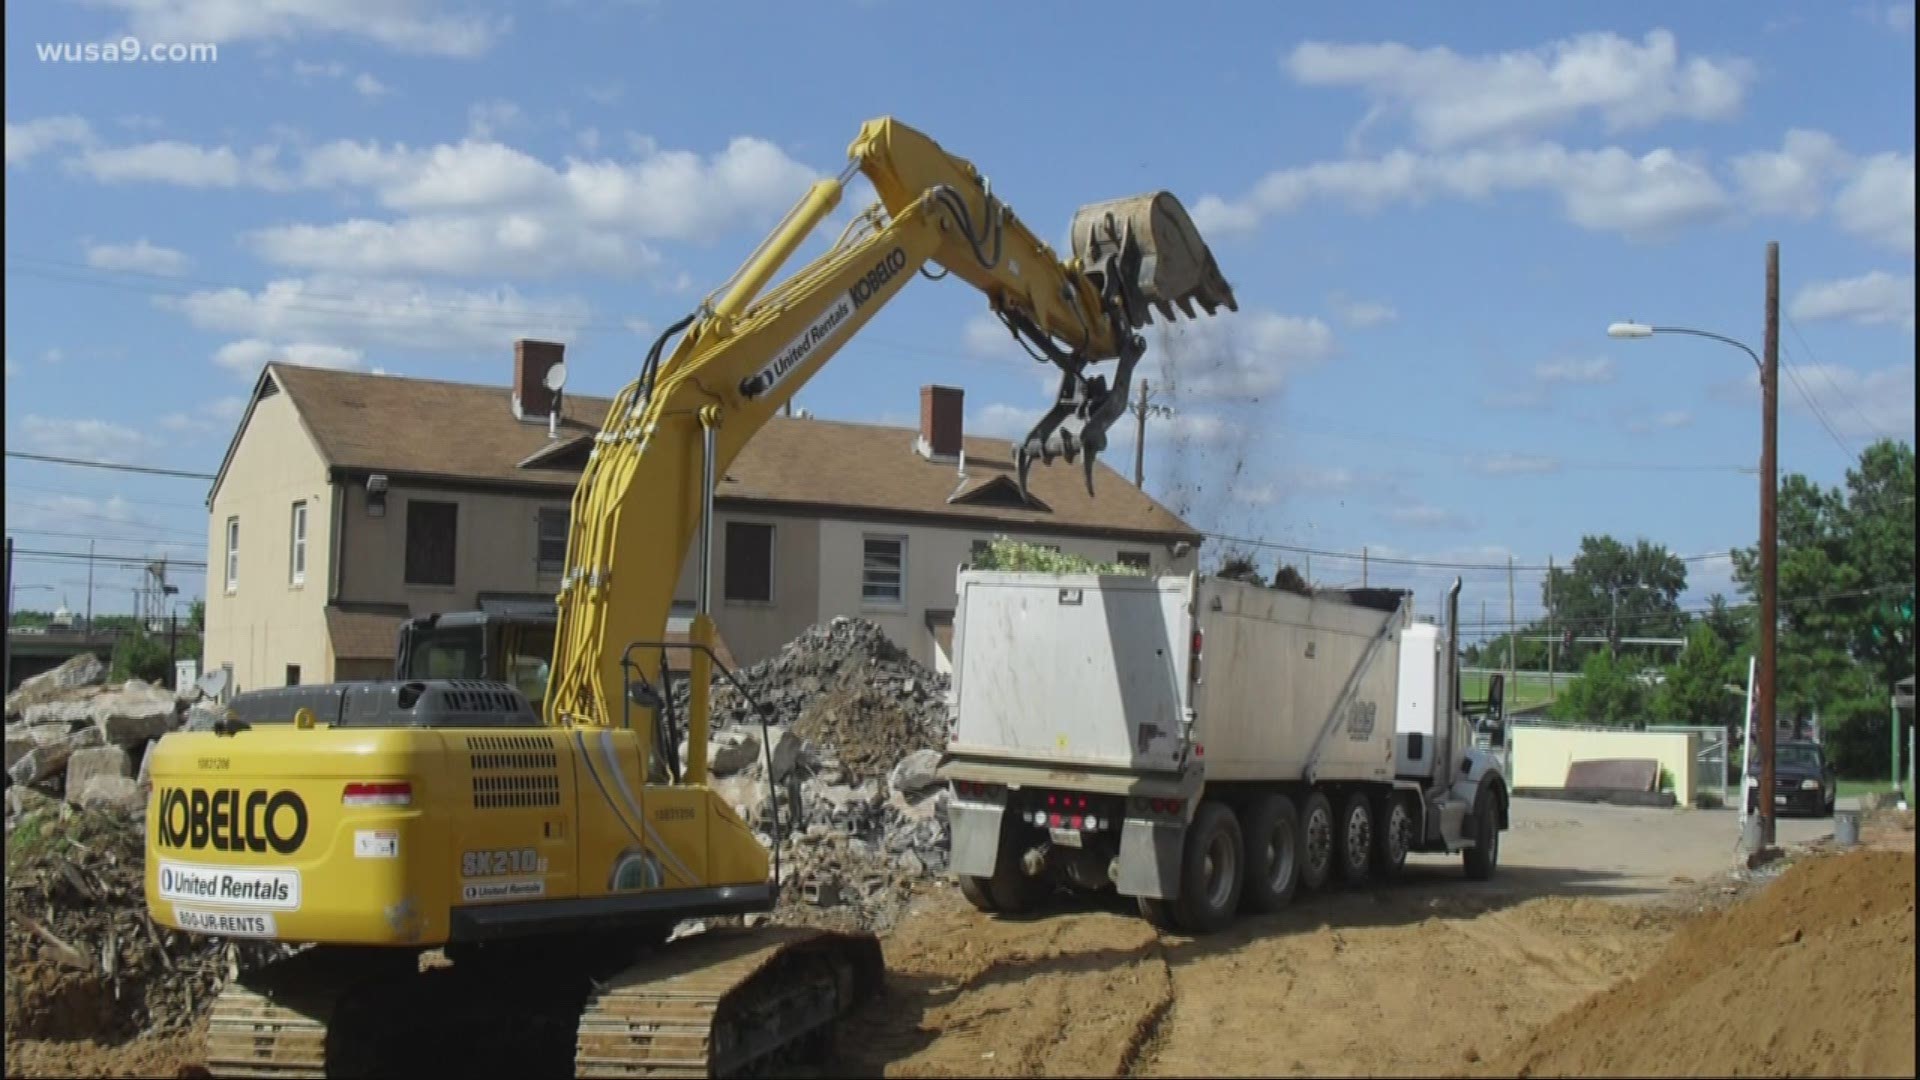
[731,1003]
[728,1002]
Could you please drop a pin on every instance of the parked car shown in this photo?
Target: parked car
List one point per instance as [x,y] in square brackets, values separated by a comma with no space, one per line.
[1803,779]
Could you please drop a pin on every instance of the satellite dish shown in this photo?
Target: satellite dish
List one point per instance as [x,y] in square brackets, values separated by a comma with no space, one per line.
[213,683]
[556,377]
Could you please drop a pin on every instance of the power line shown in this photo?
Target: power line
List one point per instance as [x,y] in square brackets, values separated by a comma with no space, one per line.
[1866,425]
[1814,406]
[1434,564]
[110,539]
[114,465]
[1504,625]
[112,560]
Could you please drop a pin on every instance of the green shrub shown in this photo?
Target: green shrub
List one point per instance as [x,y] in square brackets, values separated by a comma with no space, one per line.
[1008,554]
[140,655]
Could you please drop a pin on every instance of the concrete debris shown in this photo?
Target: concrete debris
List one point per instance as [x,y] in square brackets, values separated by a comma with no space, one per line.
[83,959]
[80,671]
[119,795]
[50,757]
[99,761]
[136,714]
[915,772]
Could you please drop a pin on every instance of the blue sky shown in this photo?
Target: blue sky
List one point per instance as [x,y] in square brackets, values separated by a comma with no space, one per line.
[1429,214]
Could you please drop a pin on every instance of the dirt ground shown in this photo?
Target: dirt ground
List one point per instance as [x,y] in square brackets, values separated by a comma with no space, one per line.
[1611,942]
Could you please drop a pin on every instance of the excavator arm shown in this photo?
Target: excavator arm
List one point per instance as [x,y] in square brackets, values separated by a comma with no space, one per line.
[647,489]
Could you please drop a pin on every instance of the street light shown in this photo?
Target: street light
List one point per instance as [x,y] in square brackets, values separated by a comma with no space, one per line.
[1769,521]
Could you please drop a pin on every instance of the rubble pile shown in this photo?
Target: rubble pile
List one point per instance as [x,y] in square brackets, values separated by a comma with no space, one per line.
[83,959]
[71,734]
[856,726]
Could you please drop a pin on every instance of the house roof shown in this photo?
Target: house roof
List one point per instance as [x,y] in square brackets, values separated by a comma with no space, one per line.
[467,432]
[364,635]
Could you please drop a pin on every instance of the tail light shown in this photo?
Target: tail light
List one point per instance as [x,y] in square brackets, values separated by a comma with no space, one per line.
[385,793]
[1170,807]
[1193,660]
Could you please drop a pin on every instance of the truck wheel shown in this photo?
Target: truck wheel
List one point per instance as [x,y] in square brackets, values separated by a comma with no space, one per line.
[976,891]
[1484,855]
[1211,870]
[1158,912]
[1273,854]
[1392,836]
[1356,838]
[1316,842]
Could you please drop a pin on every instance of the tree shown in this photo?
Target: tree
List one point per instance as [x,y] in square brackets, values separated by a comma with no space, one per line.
[139,655]
[197,614]
[1695,688]
[1645,580]
[1607,692]
[1846,563]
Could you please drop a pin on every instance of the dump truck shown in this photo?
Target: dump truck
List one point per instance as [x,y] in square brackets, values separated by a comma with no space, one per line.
[1205,746]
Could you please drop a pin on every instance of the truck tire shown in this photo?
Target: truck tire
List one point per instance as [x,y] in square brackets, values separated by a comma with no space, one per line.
[1355,835]
[1212,870]
[1316,842]
[1392,836]
[1159,913]
[1484,855]
[1273,854]
[976,891]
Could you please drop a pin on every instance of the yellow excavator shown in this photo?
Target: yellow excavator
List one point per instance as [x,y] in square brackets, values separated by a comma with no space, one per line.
[475,884]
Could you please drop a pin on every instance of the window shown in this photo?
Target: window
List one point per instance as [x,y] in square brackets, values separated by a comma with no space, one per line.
[552,542]
[233,553]
[1138,559]
[749,562]
[883,570]
[293,674]
[299,532]
[431,529]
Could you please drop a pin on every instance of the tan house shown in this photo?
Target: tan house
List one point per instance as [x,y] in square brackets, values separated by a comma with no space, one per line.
[349,501]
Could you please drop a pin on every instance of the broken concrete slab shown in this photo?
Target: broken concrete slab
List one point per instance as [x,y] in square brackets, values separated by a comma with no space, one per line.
[85,669]
[915,773]
[85,765]
[119,794]
[49,758]
[130,717]
[69,712]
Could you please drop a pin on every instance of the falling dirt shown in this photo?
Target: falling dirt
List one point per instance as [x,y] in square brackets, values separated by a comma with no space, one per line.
[1813,977]
[176,1055]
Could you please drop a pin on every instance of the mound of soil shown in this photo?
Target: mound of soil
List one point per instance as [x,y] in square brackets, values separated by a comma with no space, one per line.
[1812,977]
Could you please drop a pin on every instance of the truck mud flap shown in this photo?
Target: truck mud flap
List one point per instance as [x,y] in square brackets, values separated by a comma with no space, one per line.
[1149,859]
[976,838]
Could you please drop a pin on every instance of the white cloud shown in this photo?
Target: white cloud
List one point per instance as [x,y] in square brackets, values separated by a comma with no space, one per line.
[350,313]
[1003,421]
[1361,313]
[183,164]
[1455,100]
[1665,421]
[1517,464]
[54,356]
[139,256]
[1606,190]
[408,26]
[1587,372]
[1419,516]
[1235,356]
[1859,405]
[216,417]
[1524,397]
[1794,179]
[488,118]
[1897,17]
[367,86]
[481,203]
[1876,297]
[12,368]
[29,139]
[84,438]
[1877,204]
[245,358]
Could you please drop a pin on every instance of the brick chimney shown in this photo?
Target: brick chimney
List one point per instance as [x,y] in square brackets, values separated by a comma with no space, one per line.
[940,423]
[532,401]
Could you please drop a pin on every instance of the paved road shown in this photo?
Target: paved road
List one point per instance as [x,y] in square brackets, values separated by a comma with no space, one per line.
[1620,852]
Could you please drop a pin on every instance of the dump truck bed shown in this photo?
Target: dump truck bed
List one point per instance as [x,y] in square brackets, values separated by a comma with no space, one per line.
[1088,670]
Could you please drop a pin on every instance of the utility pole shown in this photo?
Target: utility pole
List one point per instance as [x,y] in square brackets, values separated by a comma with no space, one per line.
[1553,634]
[1769,434]
[1141,409]
[1363,584]
[89,587]
[9,645]
[1513,621]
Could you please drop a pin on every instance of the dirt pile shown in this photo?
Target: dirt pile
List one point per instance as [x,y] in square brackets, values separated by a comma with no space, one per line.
[83,959]
[1813,976]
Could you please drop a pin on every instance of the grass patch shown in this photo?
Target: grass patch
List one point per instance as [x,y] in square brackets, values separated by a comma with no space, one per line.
[1524,691]
[1853,789]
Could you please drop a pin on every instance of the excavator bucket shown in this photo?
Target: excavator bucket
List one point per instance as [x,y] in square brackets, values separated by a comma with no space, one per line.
[1151,240]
